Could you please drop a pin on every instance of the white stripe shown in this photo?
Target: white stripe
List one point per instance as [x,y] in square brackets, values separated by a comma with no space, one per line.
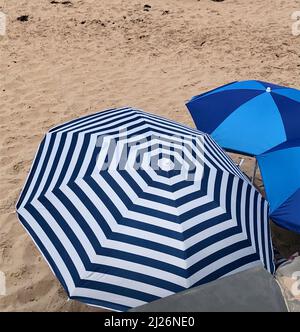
[259,234]
[234,202]
[251,219]
[267,234]
[182,176]
[102,117]
[222,262]
[37,171]
[106,296]
[92,275]
[166,123]
[205,234]
[218,246]
[50,248]
[244,268]
[48,167]
[74,160]
[62,160]
[131,215]
[202,218]
[123,139]
[137,119]
[154,237]
[122,208]
[242,208]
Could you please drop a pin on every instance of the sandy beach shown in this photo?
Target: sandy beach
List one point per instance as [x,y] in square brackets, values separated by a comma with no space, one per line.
[64,59]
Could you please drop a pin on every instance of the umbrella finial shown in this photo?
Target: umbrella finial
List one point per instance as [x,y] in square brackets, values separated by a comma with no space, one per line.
[268,89]
[166,164]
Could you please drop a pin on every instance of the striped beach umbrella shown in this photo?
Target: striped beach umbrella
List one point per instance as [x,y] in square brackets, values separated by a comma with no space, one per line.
[128,207]
[280,170]
[249,117]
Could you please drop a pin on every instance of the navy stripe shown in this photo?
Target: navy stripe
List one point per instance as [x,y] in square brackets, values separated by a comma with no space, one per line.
[84,119]
[54,165]
[247,210]
[227,269]
[31,174]
[135,258]
[101,303]
[219,255]
[44,252]
[117,289]
[255,221]
[159,126]
[43,168]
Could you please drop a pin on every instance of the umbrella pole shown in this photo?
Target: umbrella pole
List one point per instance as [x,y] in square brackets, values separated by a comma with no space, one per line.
[254,171]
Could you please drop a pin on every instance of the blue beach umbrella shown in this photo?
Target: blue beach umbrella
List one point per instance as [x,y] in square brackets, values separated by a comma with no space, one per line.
[280,170]
[128,207]
[248,117]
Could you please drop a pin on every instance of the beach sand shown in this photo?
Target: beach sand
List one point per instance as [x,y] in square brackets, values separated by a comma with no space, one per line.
[75,58]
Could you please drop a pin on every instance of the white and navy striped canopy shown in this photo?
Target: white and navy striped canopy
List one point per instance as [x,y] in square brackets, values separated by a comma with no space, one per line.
[128,207]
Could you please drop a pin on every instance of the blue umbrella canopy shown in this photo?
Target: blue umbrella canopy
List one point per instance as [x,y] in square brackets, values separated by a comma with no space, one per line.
[249,117]
[280,170]
[128,207]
